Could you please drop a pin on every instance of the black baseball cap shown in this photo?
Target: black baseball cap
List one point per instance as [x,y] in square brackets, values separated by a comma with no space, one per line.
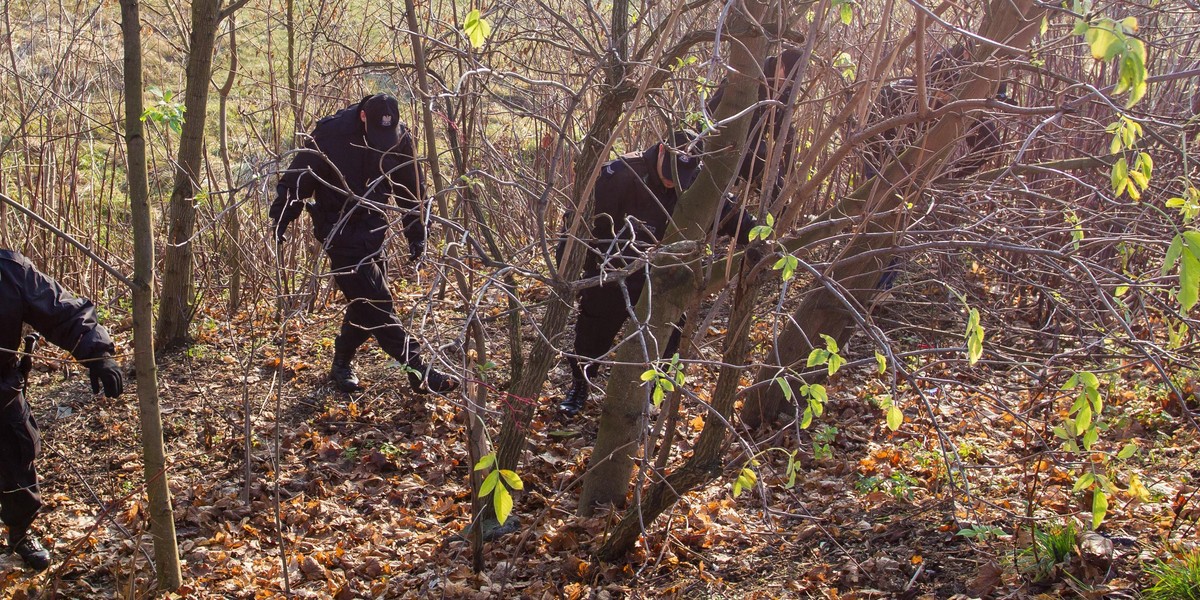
[685,148]
[382,121]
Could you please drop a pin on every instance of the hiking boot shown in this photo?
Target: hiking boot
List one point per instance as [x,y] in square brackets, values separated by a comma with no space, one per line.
[434,381]
[575,399]
[341,373]
[31,551]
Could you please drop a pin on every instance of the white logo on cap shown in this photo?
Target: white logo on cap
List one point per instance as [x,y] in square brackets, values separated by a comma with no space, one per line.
[386,121]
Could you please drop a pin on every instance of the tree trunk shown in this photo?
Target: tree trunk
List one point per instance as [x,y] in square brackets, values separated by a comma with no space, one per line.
[1012,23]
[675,279]
[162,520]
[233,245]
[705,464]
[178,283]
[526,390]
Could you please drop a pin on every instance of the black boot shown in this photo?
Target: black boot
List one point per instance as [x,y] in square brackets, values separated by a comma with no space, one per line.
[341,373]
[425,379]
[575,399]
[31,551]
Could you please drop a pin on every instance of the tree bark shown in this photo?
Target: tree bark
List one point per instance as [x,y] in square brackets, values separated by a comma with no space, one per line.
[178,283]
[705,464]
[674,278]
[1014,24]
[162,520]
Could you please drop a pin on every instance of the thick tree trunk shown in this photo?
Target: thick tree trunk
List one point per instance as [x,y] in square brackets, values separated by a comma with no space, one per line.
[162,520]
[1014,24]
[675,280]
[178,283]
[706,462]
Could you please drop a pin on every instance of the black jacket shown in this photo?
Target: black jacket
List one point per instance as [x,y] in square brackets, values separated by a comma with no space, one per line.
[342,222]
[632,210]
[64,319]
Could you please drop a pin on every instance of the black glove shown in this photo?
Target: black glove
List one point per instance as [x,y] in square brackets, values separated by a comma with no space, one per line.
[416,249]
[105,373]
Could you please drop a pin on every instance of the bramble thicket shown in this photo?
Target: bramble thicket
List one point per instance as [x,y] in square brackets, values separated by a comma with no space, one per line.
[957,355]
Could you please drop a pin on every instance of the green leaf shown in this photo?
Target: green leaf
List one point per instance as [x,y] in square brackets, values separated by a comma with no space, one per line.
[1090,437]
[649,374]
[835,363]
[1173,253]
[1099,40]
[512,480]
[477,30]
[974,350]
[486,462]
[895,417]
[1083,420]
[1189,280]
[1090,381]
[830,344]
[1099,508]
[807,418]
[788,264]
[786,387]
[1120,176]
[846,12]
[1129,450]
[1192,239]
[881,360]
[818,393]
[489,483]
[1071,383]
[818,356]
[1084,481]
[503,504]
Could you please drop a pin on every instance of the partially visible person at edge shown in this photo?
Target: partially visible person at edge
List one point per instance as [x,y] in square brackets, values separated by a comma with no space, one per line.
[29,297]
[635,196]
[777,86]
[365,148]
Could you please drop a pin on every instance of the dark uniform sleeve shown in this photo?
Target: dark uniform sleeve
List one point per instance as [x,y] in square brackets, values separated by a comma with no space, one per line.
[296,185]
[408,188]
[735,220]
[64,319]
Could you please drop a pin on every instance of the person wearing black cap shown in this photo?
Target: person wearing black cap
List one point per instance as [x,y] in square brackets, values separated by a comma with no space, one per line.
[354,163]
[634,198]
[69,322]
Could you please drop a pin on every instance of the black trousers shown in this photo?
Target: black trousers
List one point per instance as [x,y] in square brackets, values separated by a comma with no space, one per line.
[370,311]
[20,444]
[602,313]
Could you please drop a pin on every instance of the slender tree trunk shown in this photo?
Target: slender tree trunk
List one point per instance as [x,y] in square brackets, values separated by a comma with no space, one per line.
[526,390]
[162,520]
[1013,23]
[178,283]
[674,277]
[233,246]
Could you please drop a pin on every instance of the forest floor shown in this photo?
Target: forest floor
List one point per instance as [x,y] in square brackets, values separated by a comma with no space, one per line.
[373,493]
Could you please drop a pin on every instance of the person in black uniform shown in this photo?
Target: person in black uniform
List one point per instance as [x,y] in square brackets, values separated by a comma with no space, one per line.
[767,122]
[69,322]
[634,198]
[356,161]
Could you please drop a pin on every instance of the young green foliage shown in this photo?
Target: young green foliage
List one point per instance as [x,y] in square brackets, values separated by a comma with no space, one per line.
[164,109]
[497,484]
[974,337]
[664,380]
[477,29]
